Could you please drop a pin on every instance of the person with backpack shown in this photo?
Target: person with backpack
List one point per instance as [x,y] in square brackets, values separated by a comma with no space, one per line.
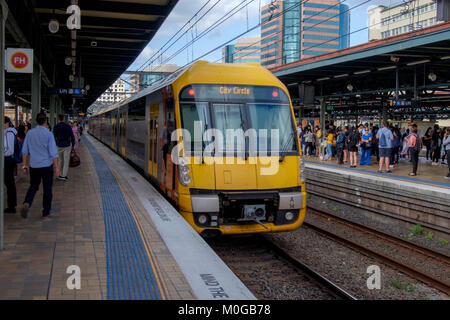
[353,140]
[385,139]
[10,150]
[415,146]
[65,141]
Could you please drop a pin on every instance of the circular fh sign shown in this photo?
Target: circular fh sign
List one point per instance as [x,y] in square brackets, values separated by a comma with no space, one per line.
[19,60]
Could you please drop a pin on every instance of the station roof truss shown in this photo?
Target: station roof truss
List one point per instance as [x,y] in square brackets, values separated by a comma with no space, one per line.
[362,79]
[112,35]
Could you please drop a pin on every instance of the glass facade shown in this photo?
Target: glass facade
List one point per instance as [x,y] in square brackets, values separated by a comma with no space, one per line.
[291,31]
[344,26]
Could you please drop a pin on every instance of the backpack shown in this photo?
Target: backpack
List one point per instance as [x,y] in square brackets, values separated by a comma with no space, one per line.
[419,144]
[17,155]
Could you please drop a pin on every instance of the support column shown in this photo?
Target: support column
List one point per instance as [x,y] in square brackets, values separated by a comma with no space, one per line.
[322,116]
[383,112]
[3,16]
[52,110]
[35,94]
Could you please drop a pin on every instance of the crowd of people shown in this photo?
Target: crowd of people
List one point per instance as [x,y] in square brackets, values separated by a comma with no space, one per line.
[388,144]
[42,152]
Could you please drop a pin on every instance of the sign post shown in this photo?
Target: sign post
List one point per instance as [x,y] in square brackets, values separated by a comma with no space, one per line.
[3,16]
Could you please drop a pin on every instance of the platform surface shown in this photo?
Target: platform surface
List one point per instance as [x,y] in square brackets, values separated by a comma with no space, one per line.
[126,239]
[427,174]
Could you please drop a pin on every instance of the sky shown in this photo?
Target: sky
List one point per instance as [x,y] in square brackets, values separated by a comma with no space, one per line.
[243,20]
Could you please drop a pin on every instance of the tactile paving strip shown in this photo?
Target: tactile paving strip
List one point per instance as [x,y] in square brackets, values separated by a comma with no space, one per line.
[130,276]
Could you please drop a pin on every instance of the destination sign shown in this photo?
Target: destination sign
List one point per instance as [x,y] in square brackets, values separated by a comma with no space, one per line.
[234,90]
[233,93]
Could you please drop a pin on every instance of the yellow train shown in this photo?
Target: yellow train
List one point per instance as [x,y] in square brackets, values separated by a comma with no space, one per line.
[219,140]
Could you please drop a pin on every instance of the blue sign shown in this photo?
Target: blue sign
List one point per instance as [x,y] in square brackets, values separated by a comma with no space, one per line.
[67,91]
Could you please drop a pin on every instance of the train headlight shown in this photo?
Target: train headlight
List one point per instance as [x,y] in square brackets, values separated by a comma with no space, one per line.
[183,172]
[202,219]
[302,165]
[289,216]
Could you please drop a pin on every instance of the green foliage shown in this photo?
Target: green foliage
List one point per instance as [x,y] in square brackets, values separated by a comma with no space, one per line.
[308,195]
[335,209]
[417,229]
[402,286]
[443,242]
[430,235]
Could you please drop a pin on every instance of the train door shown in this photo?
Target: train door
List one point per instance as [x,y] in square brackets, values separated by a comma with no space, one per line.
[169,173]
[153,141]
[114,130]
[122,133]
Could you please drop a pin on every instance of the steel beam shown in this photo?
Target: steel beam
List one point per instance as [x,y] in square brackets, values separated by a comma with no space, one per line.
[3,16]
[35,93]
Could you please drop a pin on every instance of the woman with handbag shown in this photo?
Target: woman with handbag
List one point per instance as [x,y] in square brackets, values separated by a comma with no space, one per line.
[366,147]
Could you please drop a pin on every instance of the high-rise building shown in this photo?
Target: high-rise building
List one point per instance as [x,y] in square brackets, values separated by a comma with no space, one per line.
[245,50]
[295,29]
[385,22]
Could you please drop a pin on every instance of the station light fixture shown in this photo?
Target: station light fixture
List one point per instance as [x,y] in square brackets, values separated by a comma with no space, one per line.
[387,68]
[68,61]
[341,76]
[432,76]
[395,59]
[323,79]
[362,71]
[418,62]
[53,26]
[349,87]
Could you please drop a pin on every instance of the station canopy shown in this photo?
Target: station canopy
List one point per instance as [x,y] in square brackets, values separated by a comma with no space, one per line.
[408,74]
[111,36]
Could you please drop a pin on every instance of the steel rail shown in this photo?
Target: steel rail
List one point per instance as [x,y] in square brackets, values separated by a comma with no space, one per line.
[334,288]
[416,274]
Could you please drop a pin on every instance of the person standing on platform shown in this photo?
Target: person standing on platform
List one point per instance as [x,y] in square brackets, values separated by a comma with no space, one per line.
[436,143]
[415,145]
[446,144]
[65,141]
[366,147]
[385,139]
[427,142]
[10,165]
[353,140]
[340,145]
[40,158]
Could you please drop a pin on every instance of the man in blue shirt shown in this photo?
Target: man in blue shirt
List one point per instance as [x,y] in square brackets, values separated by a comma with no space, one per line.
[385,139]
[40,158]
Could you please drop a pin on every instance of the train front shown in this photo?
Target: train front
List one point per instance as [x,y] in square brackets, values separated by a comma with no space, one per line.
[240,169]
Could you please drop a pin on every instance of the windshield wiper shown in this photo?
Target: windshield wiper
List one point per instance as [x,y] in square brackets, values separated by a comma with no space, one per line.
[284,150]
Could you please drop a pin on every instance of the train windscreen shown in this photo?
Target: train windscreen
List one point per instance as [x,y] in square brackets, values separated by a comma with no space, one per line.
[253,119]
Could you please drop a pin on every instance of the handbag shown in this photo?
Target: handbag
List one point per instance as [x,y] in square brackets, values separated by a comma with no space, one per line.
[74,159]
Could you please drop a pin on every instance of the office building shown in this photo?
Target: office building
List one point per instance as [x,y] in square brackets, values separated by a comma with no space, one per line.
[245,50]
[385,22]
[294,29]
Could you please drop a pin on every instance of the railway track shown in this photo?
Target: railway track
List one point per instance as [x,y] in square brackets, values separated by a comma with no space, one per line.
[374,240]
[272,273]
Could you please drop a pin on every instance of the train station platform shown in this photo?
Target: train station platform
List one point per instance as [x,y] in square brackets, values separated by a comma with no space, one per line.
[423,199]
[427,173]
[126,239]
